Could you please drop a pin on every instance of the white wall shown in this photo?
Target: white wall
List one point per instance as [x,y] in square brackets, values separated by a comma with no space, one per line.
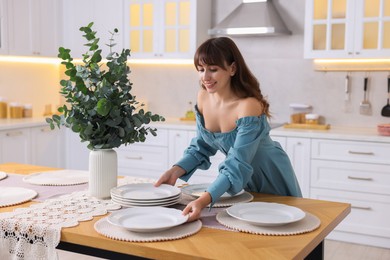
[284,75]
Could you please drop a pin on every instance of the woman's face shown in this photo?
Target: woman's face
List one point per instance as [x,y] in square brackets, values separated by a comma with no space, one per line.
[215,78]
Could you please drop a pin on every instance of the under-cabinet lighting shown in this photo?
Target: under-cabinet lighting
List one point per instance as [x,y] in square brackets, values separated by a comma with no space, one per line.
[162,61]
[23,59]
[41,60]
[352,64]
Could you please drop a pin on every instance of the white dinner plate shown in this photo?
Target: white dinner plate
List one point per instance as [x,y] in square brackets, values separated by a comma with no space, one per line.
[141,204]
[2,175]
[145,191]
[15,195]
[146,202]
[265,213]
[147,219]
[58,178]
[196,190]
[118,198]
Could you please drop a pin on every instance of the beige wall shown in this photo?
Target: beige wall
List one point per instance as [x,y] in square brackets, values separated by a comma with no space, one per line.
[27,83]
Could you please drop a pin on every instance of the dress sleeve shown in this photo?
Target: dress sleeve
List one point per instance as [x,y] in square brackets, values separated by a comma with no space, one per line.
[236,170]
[196,156]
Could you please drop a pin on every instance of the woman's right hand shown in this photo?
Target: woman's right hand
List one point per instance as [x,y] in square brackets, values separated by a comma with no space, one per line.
[170,176]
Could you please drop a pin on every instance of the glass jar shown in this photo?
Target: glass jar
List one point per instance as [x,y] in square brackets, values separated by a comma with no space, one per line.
[15,110]
[3,108]
[27,110]
[312,119]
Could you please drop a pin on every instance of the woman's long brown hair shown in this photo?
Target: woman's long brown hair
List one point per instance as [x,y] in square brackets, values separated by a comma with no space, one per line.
[221,51]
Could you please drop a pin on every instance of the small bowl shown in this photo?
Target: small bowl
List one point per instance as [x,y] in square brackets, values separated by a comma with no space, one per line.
[384,129]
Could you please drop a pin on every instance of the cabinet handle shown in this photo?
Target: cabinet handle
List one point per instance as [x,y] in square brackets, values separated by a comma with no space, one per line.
[16,133]
[359,207]
[360,178]
[134,157]
[46,129]
[361,153]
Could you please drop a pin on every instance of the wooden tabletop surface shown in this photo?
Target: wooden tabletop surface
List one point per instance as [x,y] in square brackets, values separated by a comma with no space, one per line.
[210,243]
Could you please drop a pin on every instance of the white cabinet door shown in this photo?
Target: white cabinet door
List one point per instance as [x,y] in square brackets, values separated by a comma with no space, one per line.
[77,153]
[166,28]
[48,146]
[298,150]
[179,140]
[106,16]
[347,29]
[15,146]
[3,27]
[34,27]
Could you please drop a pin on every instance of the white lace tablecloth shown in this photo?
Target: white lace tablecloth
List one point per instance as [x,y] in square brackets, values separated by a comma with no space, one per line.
[34,232]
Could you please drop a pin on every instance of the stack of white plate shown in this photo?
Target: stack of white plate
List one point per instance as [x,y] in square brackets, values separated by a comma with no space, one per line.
[145,195]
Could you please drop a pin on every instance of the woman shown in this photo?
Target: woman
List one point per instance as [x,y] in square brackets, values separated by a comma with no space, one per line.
[231,116]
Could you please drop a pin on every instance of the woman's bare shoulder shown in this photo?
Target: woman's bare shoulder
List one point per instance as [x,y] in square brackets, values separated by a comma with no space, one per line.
[250,107]
[202,95]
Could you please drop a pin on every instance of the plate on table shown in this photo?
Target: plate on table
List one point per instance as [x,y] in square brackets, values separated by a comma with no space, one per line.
[58,178]
[147,219]
[145,191]
[266,213]
[3,175]
[15,195]
[196,190]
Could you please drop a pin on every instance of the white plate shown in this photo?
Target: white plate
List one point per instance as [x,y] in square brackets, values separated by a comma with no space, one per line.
[118,198]
[196,190]
[15,195]
[58,178]
[154,204]
[147,219]
[3,175]
[265,213]
[145,191]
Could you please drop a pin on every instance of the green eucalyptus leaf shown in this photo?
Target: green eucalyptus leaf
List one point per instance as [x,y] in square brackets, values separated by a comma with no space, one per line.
[99,105]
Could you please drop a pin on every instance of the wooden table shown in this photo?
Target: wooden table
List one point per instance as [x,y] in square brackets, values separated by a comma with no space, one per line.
[208,243]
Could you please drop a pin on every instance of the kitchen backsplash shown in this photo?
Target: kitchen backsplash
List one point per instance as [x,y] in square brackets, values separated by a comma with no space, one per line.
[285,77]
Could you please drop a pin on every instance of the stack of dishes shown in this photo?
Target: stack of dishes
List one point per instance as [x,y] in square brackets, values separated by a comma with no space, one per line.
[145,195]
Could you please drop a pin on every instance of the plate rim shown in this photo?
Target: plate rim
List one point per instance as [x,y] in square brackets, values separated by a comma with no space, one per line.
[30,178]
[148,210]
[185,191]
[257,223]
[175,191]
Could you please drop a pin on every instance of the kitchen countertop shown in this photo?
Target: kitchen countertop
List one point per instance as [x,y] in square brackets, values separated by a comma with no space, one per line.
[335,132]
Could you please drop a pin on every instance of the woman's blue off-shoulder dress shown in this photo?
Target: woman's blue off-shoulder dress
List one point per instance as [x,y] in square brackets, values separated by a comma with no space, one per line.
[254,161]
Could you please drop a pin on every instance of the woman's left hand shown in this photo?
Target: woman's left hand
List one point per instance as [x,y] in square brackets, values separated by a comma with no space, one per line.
[194,208]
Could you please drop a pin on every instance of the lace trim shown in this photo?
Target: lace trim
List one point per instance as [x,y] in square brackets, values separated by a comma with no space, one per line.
[34,232]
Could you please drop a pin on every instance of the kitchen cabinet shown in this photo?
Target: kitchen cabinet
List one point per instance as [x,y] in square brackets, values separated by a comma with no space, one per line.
[347,29]
[148,159]
[76,152]
[3,27]
[36,144]
[106,15]
[47,146]
[34,27]
[15,145]
[298,151]
[349,167]
[166,28]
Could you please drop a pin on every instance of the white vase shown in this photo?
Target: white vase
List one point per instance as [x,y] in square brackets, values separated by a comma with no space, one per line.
[103,172]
